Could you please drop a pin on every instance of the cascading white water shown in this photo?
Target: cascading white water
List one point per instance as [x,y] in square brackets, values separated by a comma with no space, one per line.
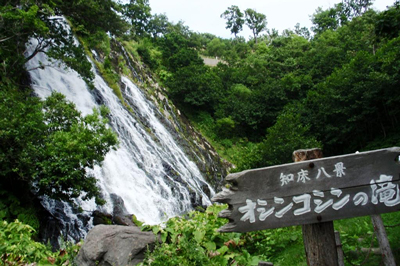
[149,171]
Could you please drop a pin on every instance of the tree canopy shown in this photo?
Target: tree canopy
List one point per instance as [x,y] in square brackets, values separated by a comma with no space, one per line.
[48,146]
[336,88]
[234,19]
[257,22]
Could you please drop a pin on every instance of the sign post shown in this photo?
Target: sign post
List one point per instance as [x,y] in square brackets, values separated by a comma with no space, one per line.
[318,238]
[313,191]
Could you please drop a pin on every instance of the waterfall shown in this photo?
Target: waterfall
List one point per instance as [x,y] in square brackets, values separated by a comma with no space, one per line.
[149,170]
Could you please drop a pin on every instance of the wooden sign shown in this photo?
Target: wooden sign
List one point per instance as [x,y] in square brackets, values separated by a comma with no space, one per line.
[312,191]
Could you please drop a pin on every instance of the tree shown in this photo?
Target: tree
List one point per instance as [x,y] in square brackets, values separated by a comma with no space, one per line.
[176,51]
[92,15]
[304,32]
[323,20]
[35,21]
[338,15]
[181,29]
[138,11]
[196,86]
[47,34]
[388,22]
[216,47]
[234,18]
[158,25]
[354,8]
[285,136]
[325,55]
[47,147]
[257,22]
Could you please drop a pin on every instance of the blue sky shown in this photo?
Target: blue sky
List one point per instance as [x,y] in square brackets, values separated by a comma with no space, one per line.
[204,15]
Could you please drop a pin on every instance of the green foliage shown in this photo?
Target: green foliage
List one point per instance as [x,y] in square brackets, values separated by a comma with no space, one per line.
[195,85]
[241,152]
[18,248]
[177,52]
[225,126]
[138,12]
[216,47]
[234,19]
[388,22]
[325,20]
[73,144]
[287,135]
[11,209]
[149,55]
[93,15]
[158,25]
[257,22]
[194,241]
[100,42]
[23,21]
[18,245]
[342,82]
[51,145]
[357,233]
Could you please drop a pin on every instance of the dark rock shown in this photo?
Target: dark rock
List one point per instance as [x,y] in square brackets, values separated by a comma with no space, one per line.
[195,199]
[107,245]
[101,218]
[60,220]
[125,220]
[206,189]
[120,214]
[118,205]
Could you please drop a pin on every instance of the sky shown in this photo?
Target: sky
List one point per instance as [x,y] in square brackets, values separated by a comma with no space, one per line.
[203,16]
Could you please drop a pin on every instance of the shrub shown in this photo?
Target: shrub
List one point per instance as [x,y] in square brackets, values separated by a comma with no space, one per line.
[194,240]
[18,248]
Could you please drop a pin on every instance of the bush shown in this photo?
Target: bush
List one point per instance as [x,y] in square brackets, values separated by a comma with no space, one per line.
[194,240]
[144,49]
[18,248]
[225,127]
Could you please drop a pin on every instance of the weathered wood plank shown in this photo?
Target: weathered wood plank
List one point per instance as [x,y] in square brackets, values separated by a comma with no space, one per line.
[313,191]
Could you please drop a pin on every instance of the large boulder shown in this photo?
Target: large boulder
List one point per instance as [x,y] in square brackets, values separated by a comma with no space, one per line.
[114,245]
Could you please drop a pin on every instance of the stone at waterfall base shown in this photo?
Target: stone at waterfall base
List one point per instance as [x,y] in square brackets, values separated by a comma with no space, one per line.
[114,245]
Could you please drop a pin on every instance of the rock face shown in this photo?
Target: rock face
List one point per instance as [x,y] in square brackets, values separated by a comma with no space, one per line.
[109,245]
[120,214]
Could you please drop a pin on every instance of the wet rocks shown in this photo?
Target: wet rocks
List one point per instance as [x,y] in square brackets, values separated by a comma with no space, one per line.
[101,218]
[107,245]
[119,216]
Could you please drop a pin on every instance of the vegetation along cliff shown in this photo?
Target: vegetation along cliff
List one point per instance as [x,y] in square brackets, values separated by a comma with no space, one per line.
[105,106]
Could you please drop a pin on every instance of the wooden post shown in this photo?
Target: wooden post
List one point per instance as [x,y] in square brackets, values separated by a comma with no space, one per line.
[387,256]
[318,238]
[339,249]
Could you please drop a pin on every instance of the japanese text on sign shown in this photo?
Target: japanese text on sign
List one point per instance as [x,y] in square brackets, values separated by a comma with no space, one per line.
[383,191]
[303,175]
